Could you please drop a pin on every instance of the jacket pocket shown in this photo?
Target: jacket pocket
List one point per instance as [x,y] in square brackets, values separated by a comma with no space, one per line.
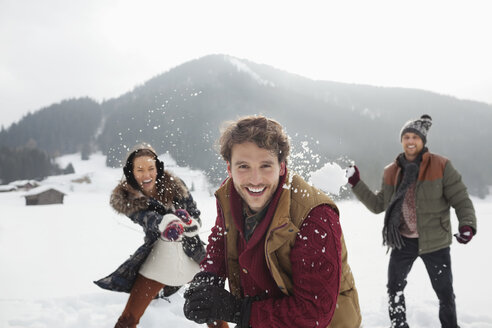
[445,223]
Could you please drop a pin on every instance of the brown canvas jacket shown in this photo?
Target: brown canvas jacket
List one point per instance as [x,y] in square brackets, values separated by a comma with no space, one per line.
[292,209]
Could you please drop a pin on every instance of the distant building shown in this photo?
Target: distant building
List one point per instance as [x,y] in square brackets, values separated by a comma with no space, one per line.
[84,179]
[44,195]
[7,188]
[25,184]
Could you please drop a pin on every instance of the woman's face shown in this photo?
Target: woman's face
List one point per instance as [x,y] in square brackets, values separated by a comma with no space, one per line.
[145,173]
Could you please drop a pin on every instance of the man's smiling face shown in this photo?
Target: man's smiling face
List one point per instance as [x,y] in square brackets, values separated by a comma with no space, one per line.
[255,172]
[412,145]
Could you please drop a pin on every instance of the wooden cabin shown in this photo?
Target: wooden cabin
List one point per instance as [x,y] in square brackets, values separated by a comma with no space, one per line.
[44,196]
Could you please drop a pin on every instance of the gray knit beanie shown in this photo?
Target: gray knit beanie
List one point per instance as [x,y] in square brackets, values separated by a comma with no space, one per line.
[419,126]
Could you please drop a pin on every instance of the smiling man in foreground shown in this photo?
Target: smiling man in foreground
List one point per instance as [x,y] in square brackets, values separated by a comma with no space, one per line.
[417,191]
[276,239]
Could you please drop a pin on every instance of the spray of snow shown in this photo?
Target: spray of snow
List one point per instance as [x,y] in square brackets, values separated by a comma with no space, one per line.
[330,178]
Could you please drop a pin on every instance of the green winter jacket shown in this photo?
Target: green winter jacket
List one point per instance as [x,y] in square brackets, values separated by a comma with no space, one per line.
[439,187]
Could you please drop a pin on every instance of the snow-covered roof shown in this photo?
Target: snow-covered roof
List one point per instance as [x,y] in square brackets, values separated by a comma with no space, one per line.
[21,183]
[7,188]
[40,189]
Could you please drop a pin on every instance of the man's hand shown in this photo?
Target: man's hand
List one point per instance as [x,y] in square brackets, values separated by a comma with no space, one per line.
[207,301]
[210,303]
[353,175]
[465,234]
[193,248]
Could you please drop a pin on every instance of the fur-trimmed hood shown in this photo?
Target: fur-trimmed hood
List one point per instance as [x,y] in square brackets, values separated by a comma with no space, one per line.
[127,200]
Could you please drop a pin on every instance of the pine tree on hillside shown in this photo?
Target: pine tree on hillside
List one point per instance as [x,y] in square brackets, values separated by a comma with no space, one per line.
[25,163]
[58,129]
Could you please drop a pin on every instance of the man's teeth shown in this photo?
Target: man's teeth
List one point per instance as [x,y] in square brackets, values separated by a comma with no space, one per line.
[256,190]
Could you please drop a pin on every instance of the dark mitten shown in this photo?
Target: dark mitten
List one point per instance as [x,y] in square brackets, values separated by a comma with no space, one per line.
[465,234]
[353,175]
[204,278]
[211,303]
[193,248]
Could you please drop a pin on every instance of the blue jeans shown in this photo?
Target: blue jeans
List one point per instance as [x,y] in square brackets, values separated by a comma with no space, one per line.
[438,265]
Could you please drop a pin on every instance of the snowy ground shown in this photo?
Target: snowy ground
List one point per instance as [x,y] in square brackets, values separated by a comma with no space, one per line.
[49,256]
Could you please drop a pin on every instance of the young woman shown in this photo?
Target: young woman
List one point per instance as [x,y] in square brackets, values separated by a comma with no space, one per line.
[162,204]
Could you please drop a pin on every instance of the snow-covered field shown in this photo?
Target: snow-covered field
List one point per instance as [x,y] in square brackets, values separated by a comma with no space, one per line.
[50,254]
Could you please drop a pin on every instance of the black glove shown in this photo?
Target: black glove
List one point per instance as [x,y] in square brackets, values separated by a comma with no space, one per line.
[207,301]
[204,278]
[207,304]
[193,248]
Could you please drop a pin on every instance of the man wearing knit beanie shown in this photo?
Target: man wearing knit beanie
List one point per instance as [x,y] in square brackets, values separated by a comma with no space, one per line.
[420,127]
[418,189]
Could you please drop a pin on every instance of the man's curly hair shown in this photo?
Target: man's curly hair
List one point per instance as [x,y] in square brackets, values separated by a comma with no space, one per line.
[266,133]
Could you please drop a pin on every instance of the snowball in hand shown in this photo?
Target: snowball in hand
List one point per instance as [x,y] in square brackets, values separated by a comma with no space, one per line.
[330,178]
[349,171]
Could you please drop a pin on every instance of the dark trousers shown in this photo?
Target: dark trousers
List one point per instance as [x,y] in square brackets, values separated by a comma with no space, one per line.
[438,265]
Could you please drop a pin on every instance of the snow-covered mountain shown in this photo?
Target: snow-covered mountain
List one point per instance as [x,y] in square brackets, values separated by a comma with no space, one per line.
[181,111]
[50,254]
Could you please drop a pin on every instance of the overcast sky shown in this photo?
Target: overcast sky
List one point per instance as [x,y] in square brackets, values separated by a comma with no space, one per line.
[56,49]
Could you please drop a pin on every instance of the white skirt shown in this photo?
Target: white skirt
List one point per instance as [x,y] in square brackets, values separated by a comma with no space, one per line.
[168,264]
